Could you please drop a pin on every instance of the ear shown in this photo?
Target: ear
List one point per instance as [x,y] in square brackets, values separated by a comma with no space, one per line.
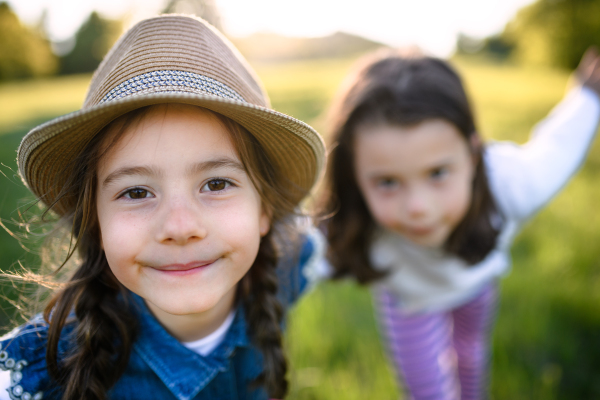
[264,222]
[475,145]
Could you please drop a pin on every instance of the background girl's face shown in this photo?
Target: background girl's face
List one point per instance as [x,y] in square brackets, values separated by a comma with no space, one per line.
[180,219]
[417,180]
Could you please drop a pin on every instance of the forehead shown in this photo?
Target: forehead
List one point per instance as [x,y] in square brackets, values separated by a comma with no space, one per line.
[408,148]
[162,127]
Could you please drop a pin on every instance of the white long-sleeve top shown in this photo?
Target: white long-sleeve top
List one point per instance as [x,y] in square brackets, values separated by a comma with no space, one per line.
[522,179]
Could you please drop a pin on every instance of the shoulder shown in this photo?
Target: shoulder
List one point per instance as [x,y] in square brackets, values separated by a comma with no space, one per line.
[312,252]
[23,345]
[301,265]
[23,356]
[506,176]
[501,161]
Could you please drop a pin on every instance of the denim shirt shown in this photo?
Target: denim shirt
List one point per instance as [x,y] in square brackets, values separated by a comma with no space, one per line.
[160,367]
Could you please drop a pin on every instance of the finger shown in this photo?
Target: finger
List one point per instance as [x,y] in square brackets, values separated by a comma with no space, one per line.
[587,69]
[594,68]
[588,60]
[590,55]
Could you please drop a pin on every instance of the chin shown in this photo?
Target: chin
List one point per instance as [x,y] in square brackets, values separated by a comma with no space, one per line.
[427,243]
[432,241]
[185,307]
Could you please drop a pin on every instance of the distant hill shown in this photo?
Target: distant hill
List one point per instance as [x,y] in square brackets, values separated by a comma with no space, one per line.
[273,47]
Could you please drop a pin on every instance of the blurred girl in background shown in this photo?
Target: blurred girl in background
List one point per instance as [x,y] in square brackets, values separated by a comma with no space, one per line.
[426,213]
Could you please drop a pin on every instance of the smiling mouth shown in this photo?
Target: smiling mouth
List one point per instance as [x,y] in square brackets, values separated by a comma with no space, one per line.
[183,268]
[421,231]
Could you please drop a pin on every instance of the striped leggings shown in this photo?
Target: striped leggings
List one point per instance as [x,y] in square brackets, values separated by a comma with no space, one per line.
[441,356]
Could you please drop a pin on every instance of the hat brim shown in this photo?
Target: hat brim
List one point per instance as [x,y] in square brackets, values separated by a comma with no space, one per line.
[47,153]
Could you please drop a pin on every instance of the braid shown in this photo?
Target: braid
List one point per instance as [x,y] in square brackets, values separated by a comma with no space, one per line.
[265,315]
[103,335]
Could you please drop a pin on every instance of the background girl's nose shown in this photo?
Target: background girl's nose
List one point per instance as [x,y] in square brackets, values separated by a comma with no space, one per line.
[180,225]
[416,203]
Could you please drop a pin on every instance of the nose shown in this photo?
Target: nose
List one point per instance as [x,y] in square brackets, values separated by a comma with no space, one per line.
[417,202]
[180,224]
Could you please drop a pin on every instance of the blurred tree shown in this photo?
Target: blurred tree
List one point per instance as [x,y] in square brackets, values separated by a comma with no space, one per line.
[24,52]
[272,47]
[206,9]
[92,41]
[554,32]
[495,47]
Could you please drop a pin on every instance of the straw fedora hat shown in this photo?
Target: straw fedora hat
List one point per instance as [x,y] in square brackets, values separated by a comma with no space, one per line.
[170,59]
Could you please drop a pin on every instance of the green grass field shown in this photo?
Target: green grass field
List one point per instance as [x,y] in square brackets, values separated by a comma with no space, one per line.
[547,339]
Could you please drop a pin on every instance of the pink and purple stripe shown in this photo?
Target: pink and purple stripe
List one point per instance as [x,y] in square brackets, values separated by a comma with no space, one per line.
[444,355]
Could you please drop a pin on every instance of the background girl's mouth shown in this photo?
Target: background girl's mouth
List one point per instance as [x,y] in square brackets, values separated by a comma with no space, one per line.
[421,232]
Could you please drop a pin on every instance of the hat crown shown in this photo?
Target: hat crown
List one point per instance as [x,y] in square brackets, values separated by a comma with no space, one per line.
[184,46]
[168,59]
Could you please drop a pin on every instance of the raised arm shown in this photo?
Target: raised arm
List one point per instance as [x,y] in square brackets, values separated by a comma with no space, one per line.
[524,178]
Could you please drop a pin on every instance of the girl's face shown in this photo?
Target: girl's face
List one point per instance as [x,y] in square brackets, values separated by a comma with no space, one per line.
[180,219]
[417,180]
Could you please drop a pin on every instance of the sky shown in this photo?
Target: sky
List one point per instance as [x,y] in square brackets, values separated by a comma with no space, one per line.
[430,24]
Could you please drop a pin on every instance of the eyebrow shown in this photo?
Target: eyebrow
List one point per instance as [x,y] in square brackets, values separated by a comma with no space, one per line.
[130,171]
[196,168]
[443,162]
[224,162]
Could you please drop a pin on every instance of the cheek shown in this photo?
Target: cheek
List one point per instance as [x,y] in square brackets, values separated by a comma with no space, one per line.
[242,228]
[122,237]
[383,209]
[461,198]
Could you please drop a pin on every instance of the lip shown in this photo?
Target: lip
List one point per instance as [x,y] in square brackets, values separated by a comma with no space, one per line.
[184,269]
[421,231]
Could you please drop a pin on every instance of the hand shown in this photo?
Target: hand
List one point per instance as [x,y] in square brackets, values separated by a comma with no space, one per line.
[588,71]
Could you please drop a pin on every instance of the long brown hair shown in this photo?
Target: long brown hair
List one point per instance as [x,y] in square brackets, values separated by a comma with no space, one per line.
[105,328]
[398,89]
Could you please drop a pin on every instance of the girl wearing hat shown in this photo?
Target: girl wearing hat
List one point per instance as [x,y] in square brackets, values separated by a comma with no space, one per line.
[427,213]
[179,185]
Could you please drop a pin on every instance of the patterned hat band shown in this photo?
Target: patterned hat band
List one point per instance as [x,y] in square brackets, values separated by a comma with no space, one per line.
[171,81]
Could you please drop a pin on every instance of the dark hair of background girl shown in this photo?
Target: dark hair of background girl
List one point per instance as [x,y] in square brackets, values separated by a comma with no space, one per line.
[105,327]
[403,90]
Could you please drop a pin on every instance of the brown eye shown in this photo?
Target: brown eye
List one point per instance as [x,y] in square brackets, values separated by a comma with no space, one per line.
[216,185]
[137,193]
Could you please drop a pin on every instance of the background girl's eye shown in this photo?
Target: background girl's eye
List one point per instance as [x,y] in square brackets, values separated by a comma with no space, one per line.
[217,185]
[387,183]
[439,173]
[137,193]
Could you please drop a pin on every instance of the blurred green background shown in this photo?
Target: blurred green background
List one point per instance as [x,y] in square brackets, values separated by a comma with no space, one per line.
[546,343]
